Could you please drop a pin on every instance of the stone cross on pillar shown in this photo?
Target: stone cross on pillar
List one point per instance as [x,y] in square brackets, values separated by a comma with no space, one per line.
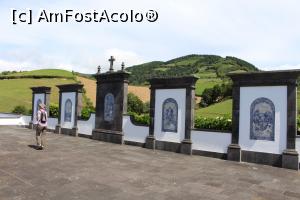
[111,60]
[123,66]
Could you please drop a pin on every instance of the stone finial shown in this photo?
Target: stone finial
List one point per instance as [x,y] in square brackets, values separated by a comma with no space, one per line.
[123,66]
[111,61]
[99,69]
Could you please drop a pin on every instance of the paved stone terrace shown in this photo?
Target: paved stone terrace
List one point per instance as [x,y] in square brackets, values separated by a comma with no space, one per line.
[80,168]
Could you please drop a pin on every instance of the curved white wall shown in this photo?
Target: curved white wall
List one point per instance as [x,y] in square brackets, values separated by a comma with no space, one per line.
[134,133]
[86,127]
[277,94]
[210,141]
[298,147]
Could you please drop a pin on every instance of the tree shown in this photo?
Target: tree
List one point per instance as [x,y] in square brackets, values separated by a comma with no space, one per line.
[134,104]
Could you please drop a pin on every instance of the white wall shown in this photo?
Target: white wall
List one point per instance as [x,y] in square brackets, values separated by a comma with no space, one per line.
[134,133]
[86,127]
[277,94]
[298,147]
[160,96]
[37,96]
[26,119]
[20,120]
[210,141]
[65,96]
[52,122]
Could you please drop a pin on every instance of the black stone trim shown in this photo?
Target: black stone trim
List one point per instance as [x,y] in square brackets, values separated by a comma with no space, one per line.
[168,146]
[76,110]
[210,130]
[210,154]
[108,136]
[291,116]
[138,144]
[32,106]
[265,78]
[84,136]
[134,122]
[235,114]
[68,131]
[41,89]
[173,82]
[70,88]
[111,77]
[152,111]
[262,158]
[290,159]
[59,110]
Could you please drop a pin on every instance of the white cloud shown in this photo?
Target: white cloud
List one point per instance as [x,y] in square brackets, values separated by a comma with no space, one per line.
[282,67]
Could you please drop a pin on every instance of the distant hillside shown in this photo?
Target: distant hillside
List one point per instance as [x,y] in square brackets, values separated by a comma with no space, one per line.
[41,73]
[205,66]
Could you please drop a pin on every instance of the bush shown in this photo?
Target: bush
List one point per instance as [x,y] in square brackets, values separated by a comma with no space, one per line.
[218,123]
[215,94]
[298,124]
[20,110]
[146,107]
[86,112]
[141,119]
[53,110]
[134,104]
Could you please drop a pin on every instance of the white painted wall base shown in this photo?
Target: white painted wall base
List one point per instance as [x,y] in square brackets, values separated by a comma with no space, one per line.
[86,127]
[210,141]
[134,133]
[298,147]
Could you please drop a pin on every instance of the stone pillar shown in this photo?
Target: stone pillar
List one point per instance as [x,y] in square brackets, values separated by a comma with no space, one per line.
[234,149]
[150,140]
[70,105]
[39,95]
[111,104]
[285,81]
[188,85]
[290,159]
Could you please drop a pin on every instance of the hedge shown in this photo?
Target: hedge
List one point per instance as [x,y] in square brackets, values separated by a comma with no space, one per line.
[218,123]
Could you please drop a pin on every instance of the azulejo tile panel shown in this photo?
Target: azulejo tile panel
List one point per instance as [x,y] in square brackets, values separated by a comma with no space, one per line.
[262,119]
[109,102]
[68,110]
[169,115]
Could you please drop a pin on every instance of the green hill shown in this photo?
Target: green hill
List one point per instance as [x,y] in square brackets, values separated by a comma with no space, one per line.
[41,73]
[15,86]
[211,69]
[14,92]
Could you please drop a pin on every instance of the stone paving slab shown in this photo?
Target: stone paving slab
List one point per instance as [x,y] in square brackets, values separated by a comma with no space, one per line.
[80,168]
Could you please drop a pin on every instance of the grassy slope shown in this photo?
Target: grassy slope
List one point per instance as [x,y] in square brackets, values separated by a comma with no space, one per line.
[45,72]
[215,110]
[209,68]
[17,91]
[224,108]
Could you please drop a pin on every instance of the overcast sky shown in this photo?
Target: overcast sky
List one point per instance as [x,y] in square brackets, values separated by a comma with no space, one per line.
[265,33]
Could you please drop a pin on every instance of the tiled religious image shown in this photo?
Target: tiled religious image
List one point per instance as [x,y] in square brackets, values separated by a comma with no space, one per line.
[68,110]
[262,119]
[109,101]
[169,115]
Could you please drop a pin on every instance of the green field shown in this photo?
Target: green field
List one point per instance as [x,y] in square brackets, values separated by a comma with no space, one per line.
[225,108]
[15,92]
[216,110]
[44,72]
[202,84]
